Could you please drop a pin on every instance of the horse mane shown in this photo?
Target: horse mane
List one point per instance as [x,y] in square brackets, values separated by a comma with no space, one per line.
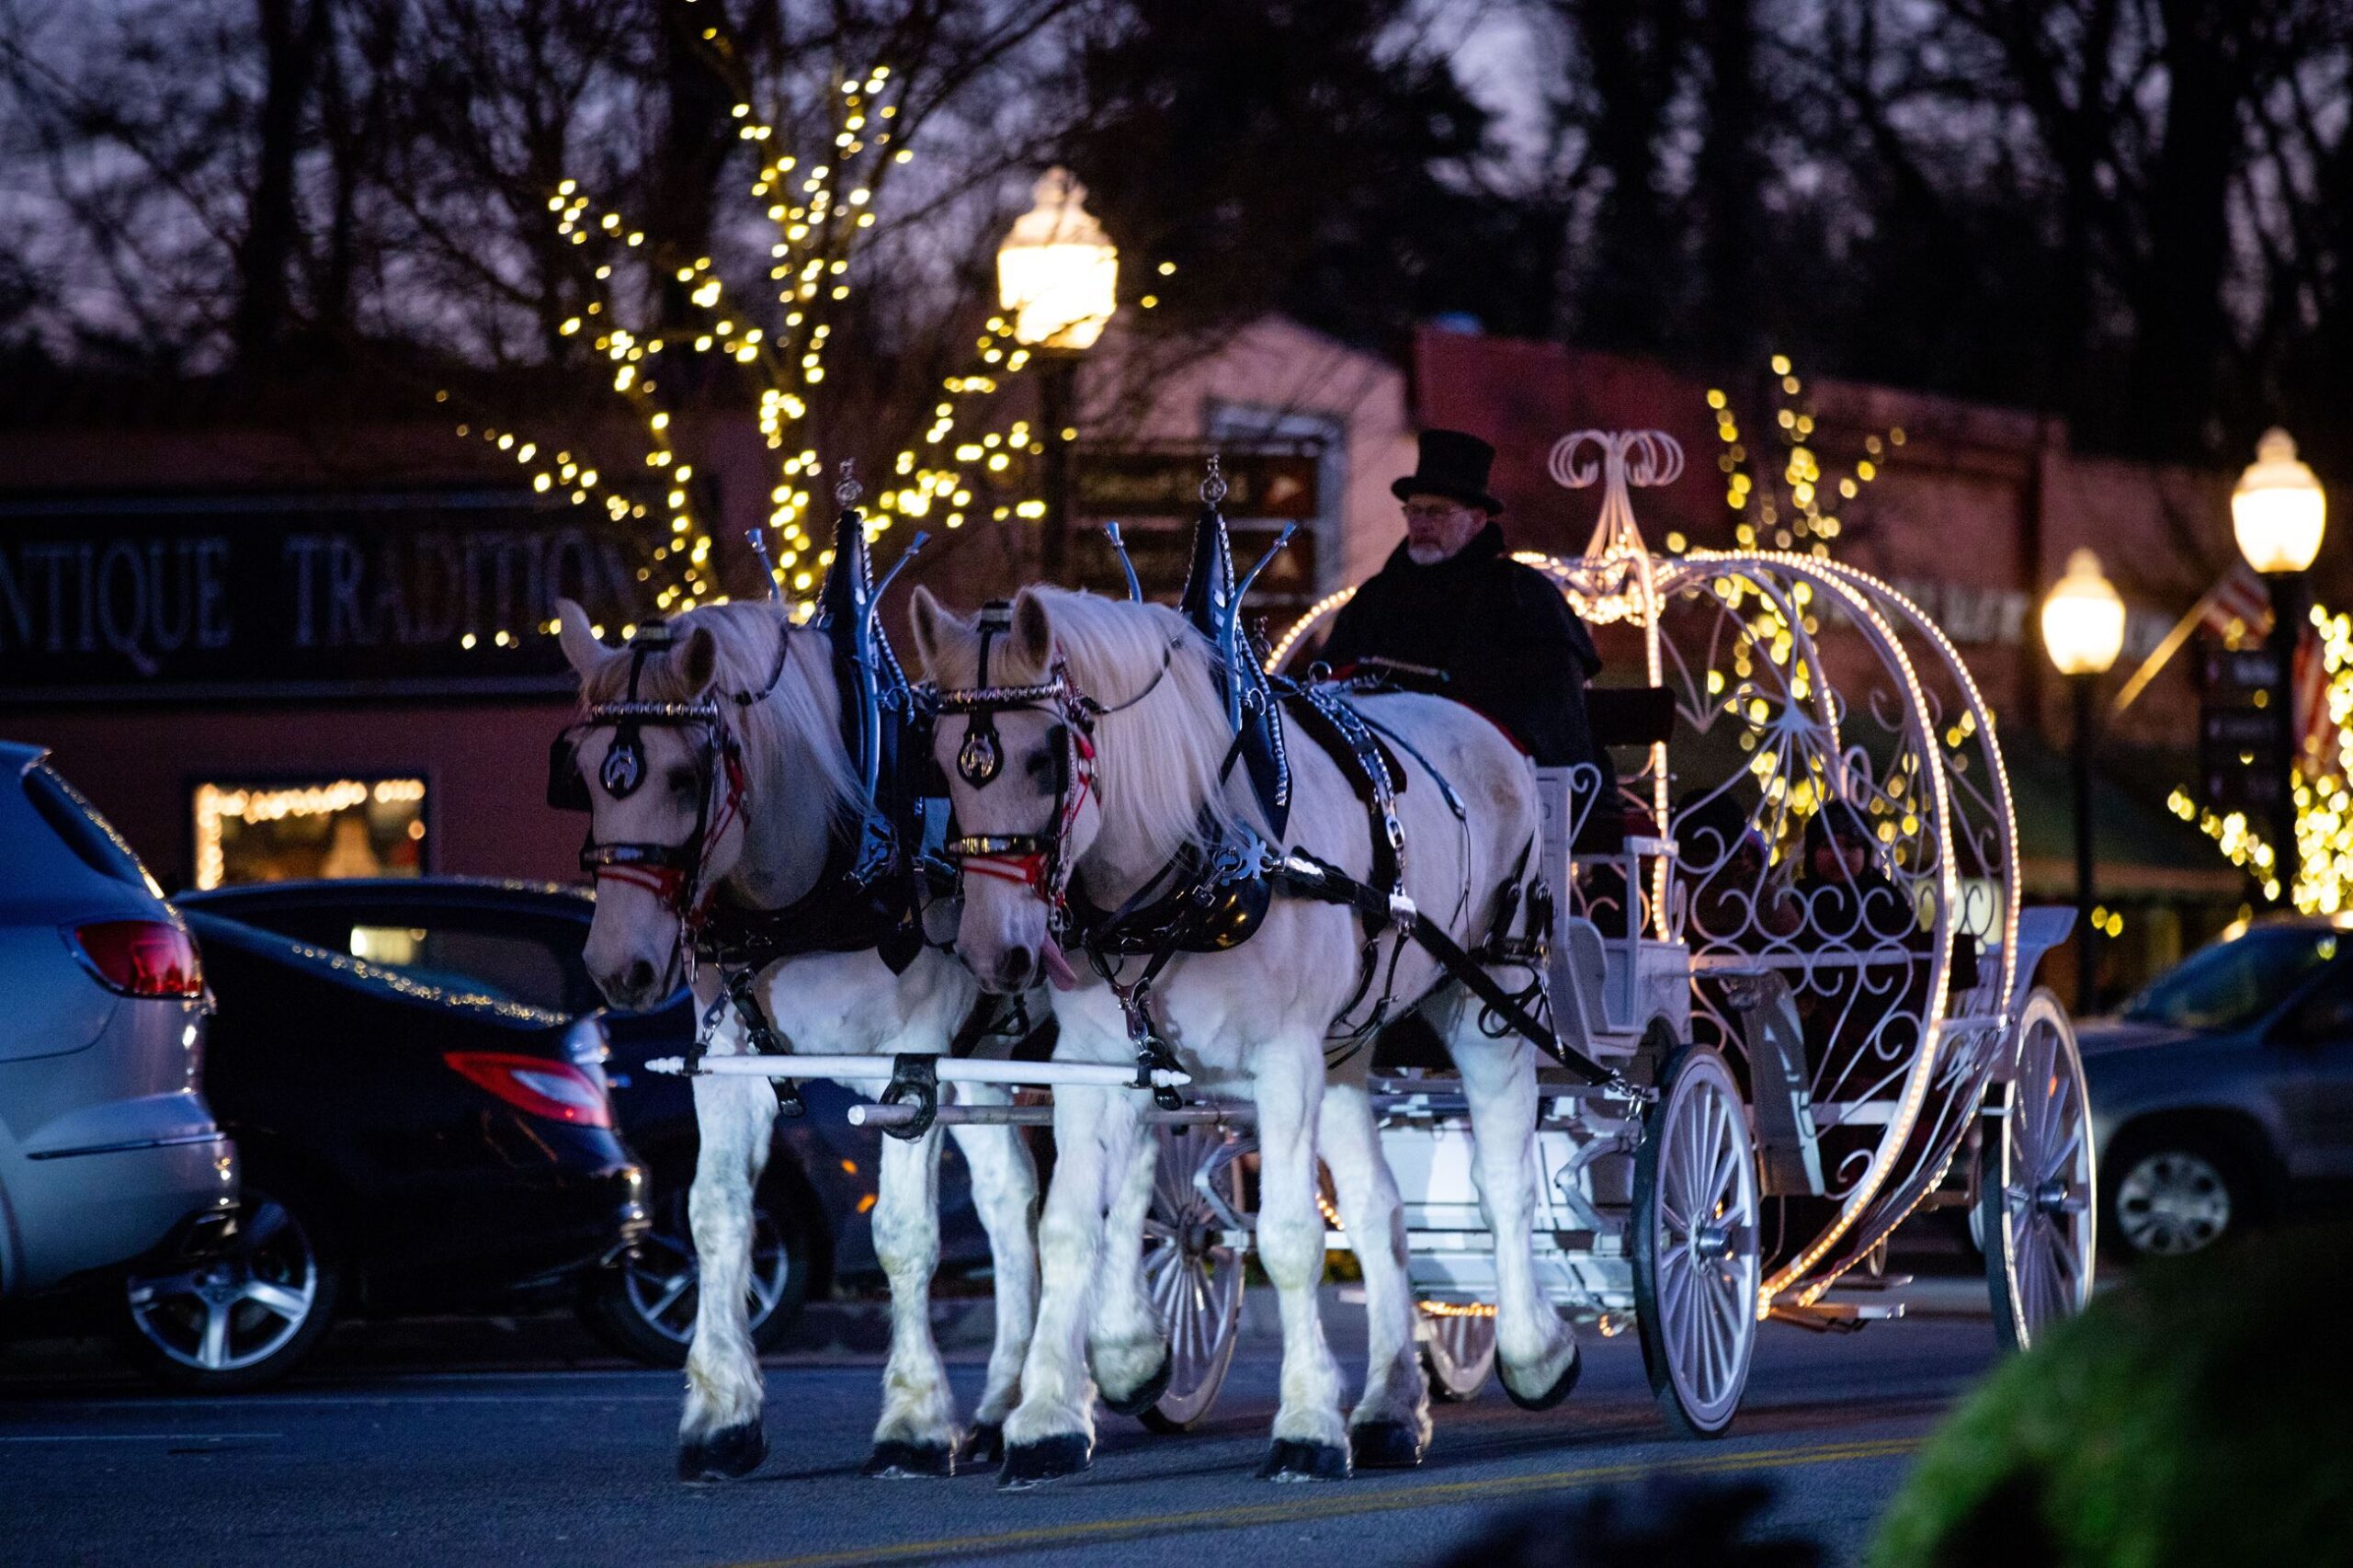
[795,731]
[1159,775]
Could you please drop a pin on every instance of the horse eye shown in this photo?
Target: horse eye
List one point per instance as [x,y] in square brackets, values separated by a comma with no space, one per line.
[1039,766]
[683,781]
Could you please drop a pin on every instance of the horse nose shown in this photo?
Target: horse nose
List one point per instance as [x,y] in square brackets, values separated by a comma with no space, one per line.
[1012,970]
[637,980]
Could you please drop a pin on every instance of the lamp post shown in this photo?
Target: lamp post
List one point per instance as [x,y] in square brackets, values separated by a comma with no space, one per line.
[1058,278]
[2082,631]
[2279,513]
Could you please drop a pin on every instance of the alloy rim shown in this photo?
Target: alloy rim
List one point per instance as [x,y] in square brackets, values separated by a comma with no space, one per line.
[662,1280]
[2173,1202]
[236,1310]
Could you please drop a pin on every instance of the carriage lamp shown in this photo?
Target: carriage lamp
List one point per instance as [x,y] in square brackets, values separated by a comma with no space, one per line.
[2278,512]
[1058,278]
[2082,631]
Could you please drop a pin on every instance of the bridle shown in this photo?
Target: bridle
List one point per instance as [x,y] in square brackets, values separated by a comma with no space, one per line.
[1038,861]
[672,872]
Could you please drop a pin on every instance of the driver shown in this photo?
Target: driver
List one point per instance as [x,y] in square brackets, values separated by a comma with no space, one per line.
[1451,600]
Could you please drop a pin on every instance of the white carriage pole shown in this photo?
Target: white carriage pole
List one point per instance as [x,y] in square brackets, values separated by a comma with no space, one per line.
[948,1070]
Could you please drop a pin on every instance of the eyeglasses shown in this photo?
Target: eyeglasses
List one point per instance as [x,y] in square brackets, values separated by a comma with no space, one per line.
[1430,511]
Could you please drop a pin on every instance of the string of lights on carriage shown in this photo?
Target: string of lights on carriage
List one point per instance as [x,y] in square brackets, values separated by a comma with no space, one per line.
[818,212]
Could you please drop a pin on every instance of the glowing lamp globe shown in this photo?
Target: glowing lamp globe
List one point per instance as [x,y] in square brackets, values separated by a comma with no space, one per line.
[2278,510]
[2083,619]
[1058,273]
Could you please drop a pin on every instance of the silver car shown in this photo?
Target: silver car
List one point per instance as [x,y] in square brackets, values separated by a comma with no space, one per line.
[2224,1093]
[108,1150]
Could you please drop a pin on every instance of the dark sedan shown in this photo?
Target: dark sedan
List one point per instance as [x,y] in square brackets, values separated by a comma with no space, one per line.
[2224,1092]
[523,940]
[406,1146]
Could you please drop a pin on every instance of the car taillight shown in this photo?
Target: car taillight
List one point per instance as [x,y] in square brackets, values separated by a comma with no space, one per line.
[556,1090]
[141,958]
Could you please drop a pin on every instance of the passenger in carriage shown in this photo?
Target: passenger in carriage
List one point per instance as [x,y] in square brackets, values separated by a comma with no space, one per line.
[1452,602]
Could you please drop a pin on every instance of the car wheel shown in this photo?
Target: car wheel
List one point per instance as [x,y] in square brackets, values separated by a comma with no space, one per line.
[242,1318]
[2175,1195]
[644,1305]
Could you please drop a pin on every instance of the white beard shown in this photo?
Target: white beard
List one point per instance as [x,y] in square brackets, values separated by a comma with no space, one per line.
[1426,555]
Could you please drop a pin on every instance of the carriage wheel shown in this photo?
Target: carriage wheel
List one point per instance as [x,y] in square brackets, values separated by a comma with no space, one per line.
[1195,1279]
[1458,1350]
[2036,1186]
[1693,1237]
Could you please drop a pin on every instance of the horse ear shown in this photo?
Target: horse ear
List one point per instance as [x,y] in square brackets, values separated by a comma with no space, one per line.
[930,620]
[581,648]
[1034,630]
[698,662]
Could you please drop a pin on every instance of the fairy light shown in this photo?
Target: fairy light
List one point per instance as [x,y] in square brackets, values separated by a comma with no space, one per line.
[2321,877]
[818,211]
[215,806]
[1797,511]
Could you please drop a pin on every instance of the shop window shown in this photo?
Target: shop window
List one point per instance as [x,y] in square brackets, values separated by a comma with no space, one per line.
[275,833]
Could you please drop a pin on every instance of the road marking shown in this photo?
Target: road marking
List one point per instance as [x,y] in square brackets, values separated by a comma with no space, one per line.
[1386,1499]
[135,1437]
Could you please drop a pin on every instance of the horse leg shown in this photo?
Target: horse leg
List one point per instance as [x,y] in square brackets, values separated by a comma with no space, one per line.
[1309,1439]
[1391,1424]
[719,1434]
[1126,1346]
[1534,1344]
[1051,1432]
[916,1434]
[1004,1190]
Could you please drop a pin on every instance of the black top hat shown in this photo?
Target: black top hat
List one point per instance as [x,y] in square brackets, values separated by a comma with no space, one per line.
[1454,465]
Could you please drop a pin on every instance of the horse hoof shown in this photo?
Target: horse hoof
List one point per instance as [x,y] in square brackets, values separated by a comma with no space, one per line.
[1550,1397]
[984,1444]
[1048,1458]
[1291,1459]
[728,1454]
[1143,1398]
[1384,1445]
[895,1460]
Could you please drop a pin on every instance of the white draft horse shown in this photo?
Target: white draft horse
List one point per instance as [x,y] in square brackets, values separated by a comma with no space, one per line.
[765,850]
[1111,807]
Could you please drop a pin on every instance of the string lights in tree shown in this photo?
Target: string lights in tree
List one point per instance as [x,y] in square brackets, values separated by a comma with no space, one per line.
[2321,880]
[1796,509]
[818,211]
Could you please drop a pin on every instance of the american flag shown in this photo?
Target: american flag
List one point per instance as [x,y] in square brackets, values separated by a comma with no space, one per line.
[2318,745]
[2239,604]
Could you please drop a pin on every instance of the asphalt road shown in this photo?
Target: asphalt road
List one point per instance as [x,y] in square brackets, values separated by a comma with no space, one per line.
[574,1468]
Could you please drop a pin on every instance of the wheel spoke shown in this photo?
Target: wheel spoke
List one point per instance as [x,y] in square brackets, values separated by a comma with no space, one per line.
[291,1305]
[673,1288]
[214,1352]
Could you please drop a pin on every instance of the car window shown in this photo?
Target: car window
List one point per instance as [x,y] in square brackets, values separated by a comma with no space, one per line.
[532,962]
[84,831]
[2232,984]
[2325,1015]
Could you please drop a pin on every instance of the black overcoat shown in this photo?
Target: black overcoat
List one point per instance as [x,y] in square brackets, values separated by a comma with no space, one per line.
[1508,641]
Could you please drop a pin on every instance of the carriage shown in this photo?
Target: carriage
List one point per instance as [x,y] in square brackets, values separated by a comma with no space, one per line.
[1786,972]
[1878,1057]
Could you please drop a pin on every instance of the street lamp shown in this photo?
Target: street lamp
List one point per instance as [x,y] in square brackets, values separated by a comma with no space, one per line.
[2279,513]
[1058,278]
[2082,631]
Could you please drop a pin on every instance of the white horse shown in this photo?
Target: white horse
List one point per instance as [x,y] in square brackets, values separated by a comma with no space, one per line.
[1251,1021]
[763,851]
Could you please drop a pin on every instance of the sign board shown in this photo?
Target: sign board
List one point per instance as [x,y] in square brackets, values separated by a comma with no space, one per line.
[299,596]
[2240,763]
[1168,484]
